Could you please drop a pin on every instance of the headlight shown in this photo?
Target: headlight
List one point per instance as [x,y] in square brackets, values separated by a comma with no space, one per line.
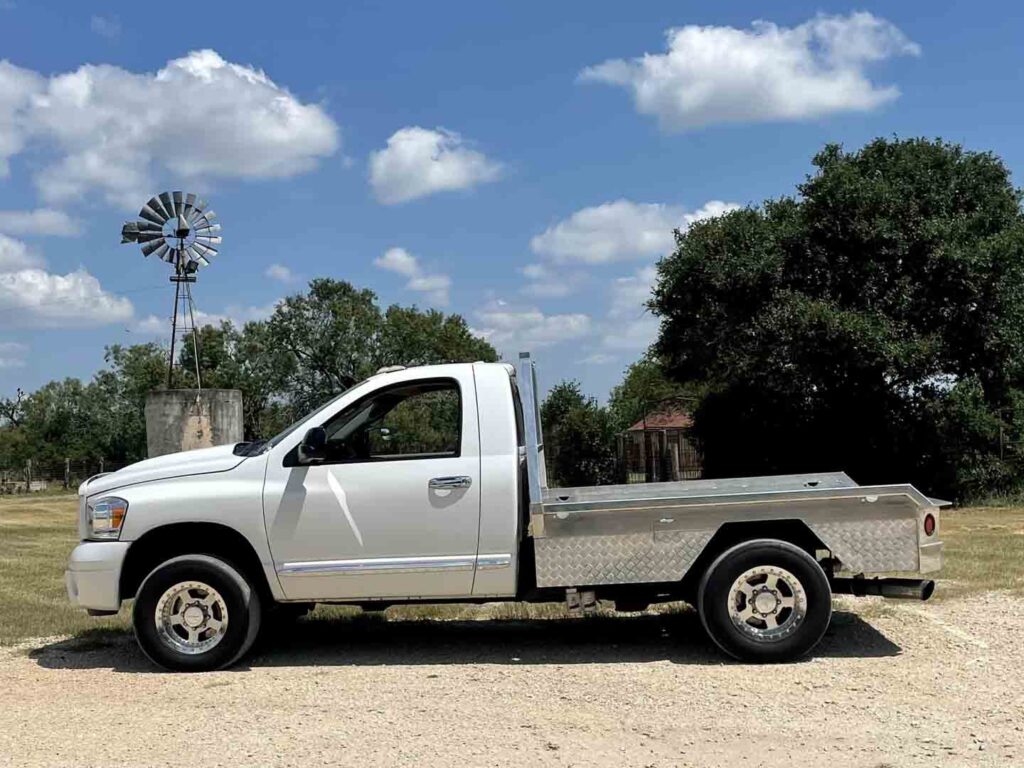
[104,517]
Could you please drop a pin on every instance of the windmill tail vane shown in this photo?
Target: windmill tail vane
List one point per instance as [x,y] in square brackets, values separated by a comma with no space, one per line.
[178,228]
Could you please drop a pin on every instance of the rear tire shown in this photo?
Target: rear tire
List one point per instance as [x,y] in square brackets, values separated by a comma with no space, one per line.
[765,601]
[196,613]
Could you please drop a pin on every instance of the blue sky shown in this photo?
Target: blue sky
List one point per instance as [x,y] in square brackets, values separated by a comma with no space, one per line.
[517,163]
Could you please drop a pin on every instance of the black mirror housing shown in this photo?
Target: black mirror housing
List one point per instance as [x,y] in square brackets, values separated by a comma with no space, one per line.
[311,449]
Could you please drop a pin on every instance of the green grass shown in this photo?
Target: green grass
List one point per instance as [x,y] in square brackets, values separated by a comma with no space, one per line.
[984,552]
[36,535]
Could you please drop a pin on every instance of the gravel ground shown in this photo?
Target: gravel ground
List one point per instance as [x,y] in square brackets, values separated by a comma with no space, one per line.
[892,684]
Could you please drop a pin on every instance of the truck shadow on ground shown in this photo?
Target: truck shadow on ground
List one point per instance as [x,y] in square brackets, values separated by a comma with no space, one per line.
[369,640]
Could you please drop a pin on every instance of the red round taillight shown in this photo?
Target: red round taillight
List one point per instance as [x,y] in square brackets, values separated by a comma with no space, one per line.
[929,524]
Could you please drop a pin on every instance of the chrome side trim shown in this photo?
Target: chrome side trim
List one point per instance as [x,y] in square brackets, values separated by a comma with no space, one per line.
[493,562]
[380,565]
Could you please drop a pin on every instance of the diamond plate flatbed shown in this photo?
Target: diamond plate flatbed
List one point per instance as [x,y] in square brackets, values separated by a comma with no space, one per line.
[627,534]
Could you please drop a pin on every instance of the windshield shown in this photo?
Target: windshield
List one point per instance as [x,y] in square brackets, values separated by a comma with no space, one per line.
[296,424]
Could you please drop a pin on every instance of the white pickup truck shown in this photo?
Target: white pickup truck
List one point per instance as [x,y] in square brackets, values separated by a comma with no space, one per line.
[428,485]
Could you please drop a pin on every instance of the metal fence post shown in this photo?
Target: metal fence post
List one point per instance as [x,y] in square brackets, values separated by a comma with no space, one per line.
[67,473]
[28,475]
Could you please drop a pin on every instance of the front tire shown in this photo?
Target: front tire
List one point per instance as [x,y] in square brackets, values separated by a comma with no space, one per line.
[765,601]
[196,613]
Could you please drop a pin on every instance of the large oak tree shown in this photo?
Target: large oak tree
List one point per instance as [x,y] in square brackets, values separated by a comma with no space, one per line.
[873,323]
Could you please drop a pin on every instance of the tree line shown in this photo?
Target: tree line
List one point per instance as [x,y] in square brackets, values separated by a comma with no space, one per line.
[313,346]
[871,322]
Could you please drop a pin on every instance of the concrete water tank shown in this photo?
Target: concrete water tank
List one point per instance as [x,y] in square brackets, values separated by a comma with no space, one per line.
[186,419]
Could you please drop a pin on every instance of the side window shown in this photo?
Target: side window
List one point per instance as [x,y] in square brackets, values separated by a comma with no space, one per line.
[410,421]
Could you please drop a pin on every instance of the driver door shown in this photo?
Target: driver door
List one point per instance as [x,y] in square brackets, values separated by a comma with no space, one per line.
[392,509]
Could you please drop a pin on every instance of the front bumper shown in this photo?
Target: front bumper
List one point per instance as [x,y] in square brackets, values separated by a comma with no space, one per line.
[94,574]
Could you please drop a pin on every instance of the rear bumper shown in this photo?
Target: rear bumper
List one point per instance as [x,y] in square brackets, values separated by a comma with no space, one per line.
[93,575]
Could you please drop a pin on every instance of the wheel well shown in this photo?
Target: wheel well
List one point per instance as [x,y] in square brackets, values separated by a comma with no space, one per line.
[163,543]
[729,535]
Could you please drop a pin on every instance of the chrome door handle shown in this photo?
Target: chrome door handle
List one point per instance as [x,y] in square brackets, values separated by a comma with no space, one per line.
[457,481]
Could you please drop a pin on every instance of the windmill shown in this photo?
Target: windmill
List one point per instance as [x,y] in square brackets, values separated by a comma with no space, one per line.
[177,228]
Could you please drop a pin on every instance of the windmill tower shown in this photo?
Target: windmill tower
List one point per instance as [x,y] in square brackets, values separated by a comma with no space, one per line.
[179,229]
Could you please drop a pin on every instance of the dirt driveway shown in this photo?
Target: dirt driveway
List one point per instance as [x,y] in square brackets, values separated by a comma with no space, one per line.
[894,684]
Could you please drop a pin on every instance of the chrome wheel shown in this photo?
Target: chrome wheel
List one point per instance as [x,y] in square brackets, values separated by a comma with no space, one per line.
[767,603]
[191,617]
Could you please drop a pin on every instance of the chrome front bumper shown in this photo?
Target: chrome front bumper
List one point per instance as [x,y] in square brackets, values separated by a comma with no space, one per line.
[93,575]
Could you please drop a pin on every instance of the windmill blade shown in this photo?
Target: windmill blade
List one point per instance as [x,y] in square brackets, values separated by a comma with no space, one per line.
[190,202]
[161,252]
[196,256]
[157,207]
[148,226]
[130,232]
[209,216]
[168,202]
[208,230]
[208,241]
[179,202]
[204,251]
[151,216]
[153,245]
[148,237]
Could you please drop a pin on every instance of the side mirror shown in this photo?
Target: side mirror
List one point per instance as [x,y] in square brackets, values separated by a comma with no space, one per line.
[311,449]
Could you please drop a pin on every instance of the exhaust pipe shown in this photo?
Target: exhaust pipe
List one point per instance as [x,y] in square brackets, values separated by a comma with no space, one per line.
[896,589]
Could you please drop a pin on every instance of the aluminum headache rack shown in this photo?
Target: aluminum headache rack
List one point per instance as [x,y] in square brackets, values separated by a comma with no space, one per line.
[651,532]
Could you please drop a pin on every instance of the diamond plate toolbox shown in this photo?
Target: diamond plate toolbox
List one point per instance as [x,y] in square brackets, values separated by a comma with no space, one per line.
[871,545]
[628,558]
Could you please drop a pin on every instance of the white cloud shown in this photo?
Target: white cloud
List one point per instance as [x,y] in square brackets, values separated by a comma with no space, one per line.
[41,221]
[598,358]
[618,231]
[35,298]
[15,255]
[238,316]
[281,273]
[419,162]
[722,74]
[199,117]
[399,261]
[12,354]
[17,88]
[32,297]
[434,287]
[105,26]
[542,282]
[526,328]
[630,326]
